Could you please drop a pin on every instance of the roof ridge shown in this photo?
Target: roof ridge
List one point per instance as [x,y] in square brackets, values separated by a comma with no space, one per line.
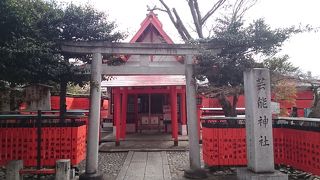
[151,19]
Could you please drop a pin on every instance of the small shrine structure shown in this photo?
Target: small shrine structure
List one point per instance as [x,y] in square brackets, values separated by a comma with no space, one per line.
[149,103]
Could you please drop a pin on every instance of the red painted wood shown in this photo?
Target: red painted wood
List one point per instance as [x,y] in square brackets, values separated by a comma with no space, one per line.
[79,103]
[183,109]
[136,111]
[117,111]
[124,113]
[198,119]
[305,94]
[148,90]
[151,20]
[174,118]
[57,143]
[146,81]
[293,147]
[35,171]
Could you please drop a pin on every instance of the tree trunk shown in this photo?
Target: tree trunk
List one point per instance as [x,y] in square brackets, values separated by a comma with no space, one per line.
[315,110]
[12,103]
[63,105]
[228,108]
[235,102]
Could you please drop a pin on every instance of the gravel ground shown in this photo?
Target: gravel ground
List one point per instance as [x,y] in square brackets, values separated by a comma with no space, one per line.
[2,173]
[178,162]
[109,164]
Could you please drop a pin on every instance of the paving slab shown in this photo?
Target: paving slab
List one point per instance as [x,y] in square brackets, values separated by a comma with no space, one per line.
[154,165]
[136,169]
[125,165]
[145,166]
[140,157]
[165,166]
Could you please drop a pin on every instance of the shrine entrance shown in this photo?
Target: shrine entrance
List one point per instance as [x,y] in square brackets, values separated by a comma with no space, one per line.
[156,75]
[150,112]
[149,109]
[142,67]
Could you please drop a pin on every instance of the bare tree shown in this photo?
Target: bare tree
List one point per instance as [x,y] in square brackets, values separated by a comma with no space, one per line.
[238,9]
[224,72]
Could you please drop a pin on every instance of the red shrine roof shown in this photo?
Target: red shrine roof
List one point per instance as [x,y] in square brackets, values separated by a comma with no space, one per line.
[151,20]
[150,80]
[150,27]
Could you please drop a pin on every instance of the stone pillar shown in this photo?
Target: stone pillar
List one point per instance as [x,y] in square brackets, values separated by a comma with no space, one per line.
[258,120]
[94,120]
[194,151]
[63,169]
[13,168]
[258,127]
[183,114]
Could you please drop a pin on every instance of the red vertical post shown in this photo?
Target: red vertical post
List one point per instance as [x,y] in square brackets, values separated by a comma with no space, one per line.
[174,118]
[136,111]
[116,115]
[124,104]
[183,113]
[199,121]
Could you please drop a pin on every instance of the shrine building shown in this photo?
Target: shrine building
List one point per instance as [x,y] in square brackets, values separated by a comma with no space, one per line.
[148,103]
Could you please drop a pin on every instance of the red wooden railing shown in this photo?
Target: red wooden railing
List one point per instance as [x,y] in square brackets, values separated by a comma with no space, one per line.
[19,139]
[295,145]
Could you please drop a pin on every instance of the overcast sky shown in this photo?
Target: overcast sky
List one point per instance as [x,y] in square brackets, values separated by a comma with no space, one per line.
[303,48]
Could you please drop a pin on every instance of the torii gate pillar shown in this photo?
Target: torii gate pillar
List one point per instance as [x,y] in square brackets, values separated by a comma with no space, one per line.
[195,171]
[94,120]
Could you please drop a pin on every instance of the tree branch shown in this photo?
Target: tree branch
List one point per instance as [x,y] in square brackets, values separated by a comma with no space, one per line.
[195,17]
[240,7]
[214,8]
[196,6]
[176,22]
[181,25]
[156,8]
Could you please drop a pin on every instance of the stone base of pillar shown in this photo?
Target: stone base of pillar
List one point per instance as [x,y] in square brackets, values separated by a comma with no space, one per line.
[184,130]
[114,130]
[245,174]
[13,168]
[63,169]
[195,174]
[95,176]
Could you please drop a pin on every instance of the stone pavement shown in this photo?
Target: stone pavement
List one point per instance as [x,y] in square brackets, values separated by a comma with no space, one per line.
[145,166]
[143,142]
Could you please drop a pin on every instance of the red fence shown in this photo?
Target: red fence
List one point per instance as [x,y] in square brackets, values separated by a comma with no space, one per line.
[56,143]
[296,146]
[41,139]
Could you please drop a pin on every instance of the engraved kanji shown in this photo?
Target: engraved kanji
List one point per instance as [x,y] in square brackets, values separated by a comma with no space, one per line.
[263,121]
[262,102]
[263,141]
[261,84]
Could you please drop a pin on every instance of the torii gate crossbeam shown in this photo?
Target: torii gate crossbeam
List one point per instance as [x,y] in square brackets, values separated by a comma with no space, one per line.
[97,69]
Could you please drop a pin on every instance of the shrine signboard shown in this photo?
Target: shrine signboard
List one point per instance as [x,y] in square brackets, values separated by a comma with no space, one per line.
[259,120]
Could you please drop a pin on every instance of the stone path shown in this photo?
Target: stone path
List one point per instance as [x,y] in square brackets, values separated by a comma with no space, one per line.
[145,166]
[143,142]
